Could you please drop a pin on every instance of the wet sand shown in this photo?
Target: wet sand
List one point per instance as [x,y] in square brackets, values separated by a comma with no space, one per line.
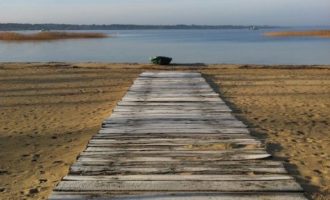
[49,111]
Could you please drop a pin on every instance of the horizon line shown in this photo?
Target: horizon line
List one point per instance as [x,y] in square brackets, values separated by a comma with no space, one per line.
[93,24]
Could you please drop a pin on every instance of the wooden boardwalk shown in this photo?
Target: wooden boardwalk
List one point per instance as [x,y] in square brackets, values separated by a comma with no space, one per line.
[173,138]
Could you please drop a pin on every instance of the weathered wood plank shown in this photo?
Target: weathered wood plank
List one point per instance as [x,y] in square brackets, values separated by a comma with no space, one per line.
[224,119]
[164,123]
[179,85]
[177,99]
[264,177]
[160,108]
[223,186]
[173,92]
[172,126]
[172,108]
[183,163]
[168,79]
[175,157]
[160,161]
[169,112]
[173,130]
[109,151]
[187,103]
[185,106]
[95,169]
[211,119]
[165,141]
[179,196]
[184,115]
[172,135]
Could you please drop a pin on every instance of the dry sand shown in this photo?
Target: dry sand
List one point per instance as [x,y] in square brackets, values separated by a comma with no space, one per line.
[49,111]
[290,109]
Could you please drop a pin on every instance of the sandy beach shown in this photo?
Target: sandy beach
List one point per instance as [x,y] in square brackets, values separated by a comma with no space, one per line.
[49,111]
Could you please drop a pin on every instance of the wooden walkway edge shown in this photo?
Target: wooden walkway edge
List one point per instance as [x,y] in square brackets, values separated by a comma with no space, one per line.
[173,138]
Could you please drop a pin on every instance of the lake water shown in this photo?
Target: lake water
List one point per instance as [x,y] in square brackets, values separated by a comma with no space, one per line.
[185,46]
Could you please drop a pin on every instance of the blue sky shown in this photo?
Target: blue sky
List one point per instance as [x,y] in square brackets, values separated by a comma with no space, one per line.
[212,12]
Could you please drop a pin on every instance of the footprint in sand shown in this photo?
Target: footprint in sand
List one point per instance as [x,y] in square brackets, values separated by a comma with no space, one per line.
[58,162]
[4,172]
[42,180]
[35,157]
[30,192]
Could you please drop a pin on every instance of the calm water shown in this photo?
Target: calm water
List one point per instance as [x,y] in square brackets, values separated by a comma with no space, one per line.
[185,46]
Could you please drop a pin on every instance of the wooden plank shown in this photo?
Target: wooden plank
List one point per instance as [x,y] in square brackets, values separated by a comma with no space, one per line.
[160,141]
[198,121]
[171,117]
[172,135]
[167,80]
[172,151]
[264,177]
[169,76]
[179,196]
[191,124]
[169,111]
[237,157]
[173,130]
[80,168]
[173,126]
[181,106]
[186,144]
[174,146]
[223,186]
[187,103]
[179,118]
[177,146]
[178,99]
[173,92]
[192,163]
[186,83]
[109,162]
[165,112]
[104,170]
[175,157]
[170,90]
[185,108]
[129,148]
[160,120]
[163,160]
[190,152]
[185,115]
[192,85]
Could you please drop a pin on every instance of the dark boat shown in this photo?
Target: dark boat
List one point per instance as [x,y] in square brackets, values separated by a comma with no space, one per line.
[161,60]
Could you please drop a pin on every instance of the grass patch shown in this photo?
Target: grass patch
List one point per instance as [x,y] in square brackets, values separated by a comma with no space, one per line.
[13,36]
[314,33]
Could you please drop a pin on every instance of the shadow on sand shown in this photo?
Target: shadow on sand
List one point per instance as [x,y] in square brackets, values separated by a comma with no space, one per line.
[271,148]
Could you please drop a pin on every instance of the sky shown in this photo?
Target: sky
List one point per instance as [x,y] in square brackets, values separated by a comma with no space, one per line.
[206,12]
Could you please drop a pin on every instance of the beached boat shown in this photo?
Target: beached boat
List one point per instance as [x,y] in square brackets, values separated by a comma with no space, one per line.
[161,60]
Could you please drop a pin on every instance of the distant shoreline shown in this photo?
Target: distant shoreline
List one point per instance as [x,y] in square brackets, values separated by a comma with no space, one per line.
[313,33]
[45,36]
[151,66]
[34,27]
